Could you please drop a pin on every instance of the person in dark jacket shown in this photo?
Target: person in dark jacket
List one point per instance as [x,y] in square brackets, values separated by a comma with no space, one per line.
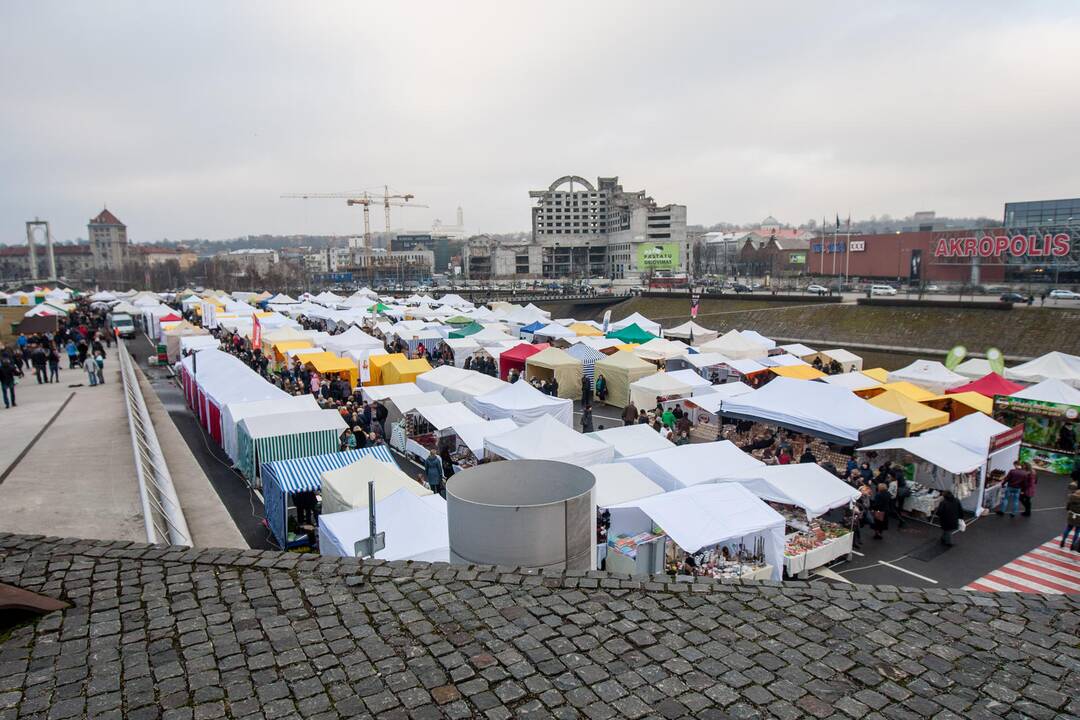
[586,419]
[8,372]
[630,414]
[586,390]
[381,413]
[1027,491]
[879,509]
[39,359]
[433,472]
[447,463]
[948,513]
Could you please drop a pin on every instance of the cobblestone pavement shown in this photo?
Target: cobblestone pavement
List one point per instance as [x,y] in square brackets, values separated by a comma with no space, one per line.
[171,633]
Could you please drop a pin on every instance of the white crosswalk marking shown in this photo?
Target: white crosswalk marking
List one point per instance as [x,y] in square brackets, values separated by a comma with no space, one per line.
[1048,568]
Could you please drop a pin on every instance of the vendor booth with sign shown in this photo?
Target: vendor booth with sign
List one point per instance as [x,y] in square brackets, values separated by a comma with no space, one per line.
[1050,415]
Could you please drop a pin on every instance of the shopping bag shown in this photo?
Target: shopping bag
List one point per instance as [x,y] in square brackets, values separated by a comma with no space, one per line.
[962,526]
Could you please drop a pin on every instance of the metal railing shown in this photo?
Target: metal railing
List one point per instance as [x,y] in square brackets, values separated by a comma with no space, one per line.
[162,514]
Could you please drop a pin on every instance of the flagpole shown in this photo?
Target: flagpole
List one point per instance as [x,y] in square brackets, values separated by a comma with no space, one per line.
[835,231]
[823,231]
[847,250]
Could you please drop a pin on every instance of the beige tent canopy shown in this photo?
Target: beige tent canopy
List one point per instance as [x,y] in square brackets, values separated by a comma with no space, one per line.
[173,335]
[558,364]
[347,488]
[620,369]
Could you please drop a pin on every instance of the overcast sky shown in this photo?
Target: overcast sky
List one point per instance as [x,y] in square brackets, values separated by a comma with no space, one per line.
[190,118]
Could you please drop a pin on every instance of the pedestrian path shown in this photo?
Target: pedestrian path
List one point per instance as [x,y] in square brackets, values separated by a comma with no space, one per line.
[1046,569]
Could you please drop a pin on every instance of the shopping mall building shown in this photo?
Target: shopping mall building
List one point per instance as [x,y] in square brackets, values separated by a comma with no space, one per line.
[1037,242]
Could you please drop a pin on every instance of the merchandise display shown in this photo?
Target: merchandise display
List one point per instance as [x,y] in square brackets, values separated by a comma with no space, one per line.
[811,544]
[726,562]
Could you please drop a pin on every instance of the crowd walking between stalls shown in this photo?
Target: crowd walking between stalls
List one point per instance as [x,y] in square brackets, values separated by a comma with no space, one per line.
[82,337]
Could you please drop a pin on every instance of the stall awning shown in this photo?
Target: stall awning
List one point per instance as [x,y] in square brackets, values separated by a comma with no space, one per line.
[798,372]
[474,434]
[618,483]
[694,464]
[300,474]
[805,485]
[919,416]
[549,439]
[628,440]
[448,415]
[938,451]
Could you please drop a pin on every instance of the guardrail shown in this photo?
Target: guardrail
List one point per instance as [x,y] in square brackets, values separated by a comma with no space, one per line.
[162,514]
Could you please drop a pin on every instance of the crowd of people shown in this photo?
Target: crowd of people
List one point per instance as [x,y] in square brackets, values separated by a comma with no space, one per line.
[82,337]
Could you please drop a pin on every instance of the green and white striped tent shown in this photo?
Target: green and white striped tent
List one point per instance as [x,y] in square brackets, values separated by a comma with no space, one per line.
[283,436]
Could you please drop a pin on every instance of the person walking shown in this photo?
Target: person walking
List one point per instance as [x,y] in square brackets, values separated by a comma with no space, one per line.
[586,419]
[1072,518]
[90,368]
[39,359]
[54,364]
[9,374]
[629,413]
[1015,480]
[879,510]
[72,353]
[99,366]
[586,390]
[949,512]
[1027,491]
[381,413]
[433,472]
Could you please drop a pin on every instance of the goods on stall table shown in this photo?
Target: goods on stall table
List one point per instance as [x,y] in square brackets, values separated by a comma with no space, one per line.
[743,564]
[628,544]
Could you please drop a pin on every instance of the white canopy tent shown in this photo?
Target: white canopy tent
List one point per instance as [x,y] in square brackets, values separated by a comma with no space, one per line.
[414,528]
[548,439]
[1052,390]
[691,378]
[462,349]
[691,332]
[1052,365]
[929,374]
[441,378]
[476,385]
[662,349]
[852,381]
[986,438]
[706,515]
[619,482]
[760,339]
[939,451]
[735,346]
[642,322]
[849,361]
[371,393]
[522,403]
[832,413]
[629,440]
[234,412]
[798,350]
[974,368]
[645,391]
[474,434]
[694,464]
[805,485]
[346,488]
[554,331]
[782,361]
[443,417]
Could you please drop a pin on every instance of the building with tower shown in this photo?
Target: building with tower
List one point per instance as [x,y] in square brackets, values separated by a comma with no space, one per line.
[108,241]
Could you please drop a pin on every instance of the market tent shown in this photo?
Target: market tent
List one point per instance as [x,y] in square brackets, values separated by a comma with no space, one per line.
[691,332]
[619,482]
[531,328]
[413,528]
[662,350]
[585,330]
[376,365]
[760,339]
[282,347]
[362,358]
[938,451]
[620,370]
[588,356]
[629,440]
[928,374]
[706,515]
[597,343]
[647,391]
[553,363]
[832,413]
[346,488]
[691,378]
[713,401]
[443,417]
[798,350]
[404,370]
[903,387]
[173,335]
[476,385]
[234,412]
[879,374]
[736,346]
[195,343]
[548,439]
[974,368]
[352,338]
[1052,390]
[286,477]
[632,334]
[265,438]
[372,393]
[1052,365]
[640,320]
[492,336]
[212,379]
[849,361]
[442,377]
[462,349]
[694,464]
[798,372]
[973,432]
[514,358]
[805,485]
[327,363]
[919,416]
[553,331]
[958,405]
[474,434]
[852,381]
[522,403]
[466,330]
[782,361]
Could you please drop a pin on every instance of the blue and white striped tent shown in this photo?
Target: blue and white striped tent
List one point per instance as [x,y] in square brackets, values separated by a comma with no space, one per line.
[587,355]
[284,477]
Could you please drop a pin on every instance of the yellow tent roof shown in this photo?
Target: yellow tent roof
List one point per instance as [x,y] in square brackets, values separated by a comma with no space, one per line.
[798,372]
[328,362]
[911,390]
[584,329]
[919,416]
[629,347]
[879,374]
[403,370]
[376,363]
[972,399]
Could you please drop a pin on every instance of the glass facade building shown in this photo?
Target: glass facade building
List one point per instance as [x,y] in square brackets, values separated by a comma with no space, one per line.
[1042,212]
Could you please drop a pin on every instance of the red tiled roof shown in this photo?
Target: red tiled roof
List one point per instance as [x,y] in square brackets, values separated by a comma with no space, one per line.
[105,218]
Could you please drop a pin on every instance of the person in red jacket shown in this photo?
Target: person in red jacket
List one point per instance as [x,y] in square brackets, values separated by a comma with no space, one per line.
[1028,490]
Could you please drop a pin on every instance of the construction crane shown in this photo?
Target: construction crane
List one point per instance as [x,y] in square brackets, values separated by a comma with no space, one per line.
[365,200]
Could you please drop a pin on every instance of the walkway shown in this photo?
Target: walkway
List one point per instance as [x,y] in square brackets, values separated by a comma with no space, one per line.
[1048,568]
[67,461]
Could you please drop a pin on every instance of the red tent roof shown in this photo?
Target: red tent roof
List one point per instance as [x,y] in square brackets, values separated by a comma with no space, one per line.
[522,351]
[171,317]
[989,385]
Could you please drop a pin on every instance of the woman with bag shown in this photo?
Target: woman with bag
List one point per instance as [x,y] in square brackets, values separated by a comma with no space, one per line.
[879,509]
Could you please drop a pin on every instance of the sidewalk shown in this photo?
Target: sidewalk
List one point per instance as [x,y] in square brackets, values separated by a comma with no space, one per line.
[78,477]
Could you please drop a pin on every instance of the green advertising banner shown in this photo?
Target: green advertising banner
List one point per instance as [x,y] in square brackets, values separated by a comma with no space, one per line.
[658,256]
[1051,434]
[797,258]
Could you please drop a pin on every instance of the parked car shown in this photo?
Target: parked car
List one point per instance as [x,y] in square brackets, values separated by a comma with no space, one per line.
[1064,295]
[882,290]
[817,289]
[740,288]
[1012,297]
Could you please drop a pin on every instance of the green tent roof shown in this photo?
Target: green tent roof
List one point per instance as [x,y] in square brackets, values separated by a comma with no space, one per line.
[632,334]
[459,320]
[466,331]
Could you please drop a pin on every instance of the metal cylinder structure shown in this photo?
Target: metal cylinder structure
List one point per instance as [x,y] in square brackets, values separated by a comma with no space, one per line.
[523,513]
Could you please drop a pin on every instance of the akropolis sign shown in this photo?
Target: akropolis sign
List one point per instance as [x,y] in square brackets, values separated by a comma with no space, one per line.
[1056,245]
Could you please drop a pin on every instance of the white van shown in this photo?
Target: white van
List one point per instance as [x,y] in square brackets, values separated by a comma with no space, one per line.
[882,290]
[122,324]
